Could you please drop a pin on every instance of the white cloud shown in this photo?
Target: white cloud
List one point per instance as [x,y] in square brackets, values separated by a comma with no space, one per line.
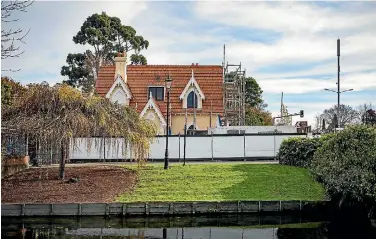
[356,81]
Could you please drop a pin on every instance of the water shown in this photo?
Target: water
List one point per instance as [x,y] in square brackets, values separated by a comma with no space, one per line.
[221,227]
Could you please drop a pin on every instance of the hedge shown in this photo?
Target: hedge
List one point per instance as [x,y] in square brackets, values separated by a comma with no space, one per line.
[346,163]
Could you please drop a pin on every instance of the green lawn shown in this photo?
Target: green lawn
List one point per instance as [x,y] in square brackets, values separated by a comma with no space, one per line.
[205,182]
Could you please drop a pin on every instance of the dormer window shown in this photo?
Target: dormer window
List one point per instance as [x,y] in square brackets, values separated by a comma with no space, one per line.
[192,96]
[157,92]
[192,100]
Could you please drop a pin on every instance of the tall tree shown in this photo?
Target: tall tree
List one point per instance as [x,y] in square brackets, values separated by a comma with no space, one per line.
[78,71]
[348,116]
[253,93]
[11,38]
[106,36]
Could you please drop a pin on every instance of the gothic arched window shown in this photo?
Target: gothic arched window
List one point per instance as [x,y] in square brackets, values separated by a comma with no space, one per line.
[192,100]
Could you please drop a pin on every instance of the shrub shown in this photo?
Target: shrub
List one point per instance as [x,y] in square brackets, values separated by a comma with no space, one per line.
[346,163]
[298,151]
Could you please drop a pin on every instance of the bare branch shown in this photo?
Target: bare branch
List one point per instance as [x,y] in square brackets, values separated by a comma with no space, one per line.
[10,38]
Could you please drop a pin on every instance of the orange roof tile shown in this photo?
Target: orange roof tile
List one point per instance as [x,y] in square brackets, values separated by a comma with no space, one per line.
[139,78]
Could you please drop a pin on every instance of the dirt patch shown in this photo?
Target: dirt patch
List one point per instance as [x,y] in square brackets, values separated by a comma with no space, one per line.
[41,185]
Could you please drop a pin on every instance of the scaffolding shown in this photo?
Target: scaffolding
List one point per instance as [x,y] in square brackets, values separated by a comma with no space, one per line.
[234,93]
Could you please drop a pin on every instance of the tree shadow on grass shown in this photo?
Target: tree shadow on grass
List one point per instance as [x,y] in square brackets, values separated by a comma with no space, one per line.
[272,182]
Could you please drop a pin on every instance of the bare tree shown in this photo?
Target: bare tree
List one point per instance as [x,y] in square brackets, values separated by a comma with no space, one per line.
[326,122]
[12,38]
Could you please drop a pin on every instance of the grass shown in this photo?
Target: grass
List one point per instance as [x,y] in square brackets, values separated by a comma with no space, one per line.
[206,182]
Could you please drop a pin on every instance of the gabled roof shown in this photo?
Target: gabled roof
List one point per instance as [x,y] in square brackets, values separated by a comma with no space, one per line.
[152,105]
[119,82]
[140,77]
[192,82]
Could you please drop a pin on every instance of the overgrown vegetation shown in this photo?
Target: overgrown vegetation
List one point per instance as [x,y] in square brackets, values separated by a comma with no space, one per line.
[61,113]
[346,163]
[204,182]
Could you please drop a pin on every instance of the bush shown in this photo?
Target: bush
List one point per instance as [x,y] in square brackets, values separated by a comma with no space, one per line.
[346,163]
[298,151]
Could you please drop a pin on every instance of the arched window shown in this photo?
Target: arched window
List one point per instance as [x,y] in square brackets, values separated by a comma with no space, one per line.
[192,100]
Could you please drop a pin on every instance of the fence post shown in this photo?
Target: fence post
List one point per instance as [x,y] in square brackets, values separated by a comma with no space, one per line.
[179,147]
[275,156]
[104,149]
[185,141]
[212,146]
[245,159]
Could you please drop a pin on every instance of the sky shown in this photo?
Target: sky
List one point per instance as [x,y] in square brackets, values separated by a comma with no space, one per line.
[287,47]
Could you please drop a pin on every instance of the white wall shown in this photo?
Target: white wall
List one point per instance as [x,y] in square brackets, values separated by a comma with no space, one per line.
[197,147]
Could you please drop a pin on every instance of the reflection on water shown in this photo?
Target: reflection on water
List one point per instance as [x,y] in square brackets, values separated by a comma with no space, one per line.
[221,227]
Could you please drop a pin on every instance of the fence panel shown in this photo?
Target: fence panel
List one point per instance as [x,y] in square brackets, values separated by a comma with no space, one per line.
[259,146]
[79,150]
[228,146]
[198,148]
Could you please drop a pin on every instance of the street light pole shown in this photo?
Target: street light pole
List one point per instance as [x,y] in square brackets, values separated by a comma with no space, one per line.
[338,86]
[168,87]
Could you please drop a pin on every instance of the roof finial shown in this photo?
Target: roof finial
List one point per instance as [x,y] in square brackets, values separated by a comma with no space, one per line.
[150,95]
[192,74]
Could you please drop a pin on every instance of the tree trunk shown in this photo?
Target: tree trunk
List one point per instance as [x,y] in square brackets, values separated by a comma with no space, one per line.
[62,160]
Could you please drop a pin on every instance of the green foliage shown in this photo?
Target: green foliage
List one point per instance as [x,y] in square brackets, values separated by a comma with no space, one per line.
[346,163]
[138,60]
[298,151]
[79,74]
[256,116]
[253,93]
[10,90]
[203,182]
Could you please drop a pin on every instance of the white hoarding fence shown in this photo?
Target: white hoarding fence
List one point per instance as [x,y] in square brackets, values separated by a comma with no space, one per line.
[202,147]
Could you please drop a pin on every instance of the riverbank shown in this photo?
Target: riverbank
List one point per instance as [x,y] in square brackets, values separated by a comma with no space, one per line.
[151,183]
[223,182]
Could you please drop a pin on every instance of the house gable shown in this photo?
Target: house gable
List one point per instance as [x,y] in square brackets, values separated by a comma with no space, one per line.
[192,83]
[119,91]
[152,105]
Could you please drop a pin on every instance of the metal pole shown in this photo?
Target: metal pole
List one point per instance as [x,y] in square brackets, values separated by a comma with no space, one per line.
[185,133]
[244,148]
[212,146]
[179,147]
[338,86]
[167,128]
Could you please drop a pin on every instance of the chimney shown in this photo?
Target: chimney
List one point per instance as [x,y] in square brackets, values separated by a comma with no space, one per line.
[121,65]
[193,64]
[196,64]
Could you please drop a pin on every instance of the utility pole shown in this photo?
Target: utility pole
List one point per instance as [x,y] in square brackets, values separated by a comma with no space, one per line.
[338,86]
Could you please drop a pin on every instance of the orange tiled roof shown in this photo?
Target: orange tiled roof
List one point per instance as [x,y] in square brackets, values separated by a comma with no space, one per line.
[139,78]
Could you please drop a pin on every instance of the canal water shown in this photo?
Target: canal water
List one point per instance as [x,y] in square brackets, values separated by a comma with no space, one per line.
[221,227]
